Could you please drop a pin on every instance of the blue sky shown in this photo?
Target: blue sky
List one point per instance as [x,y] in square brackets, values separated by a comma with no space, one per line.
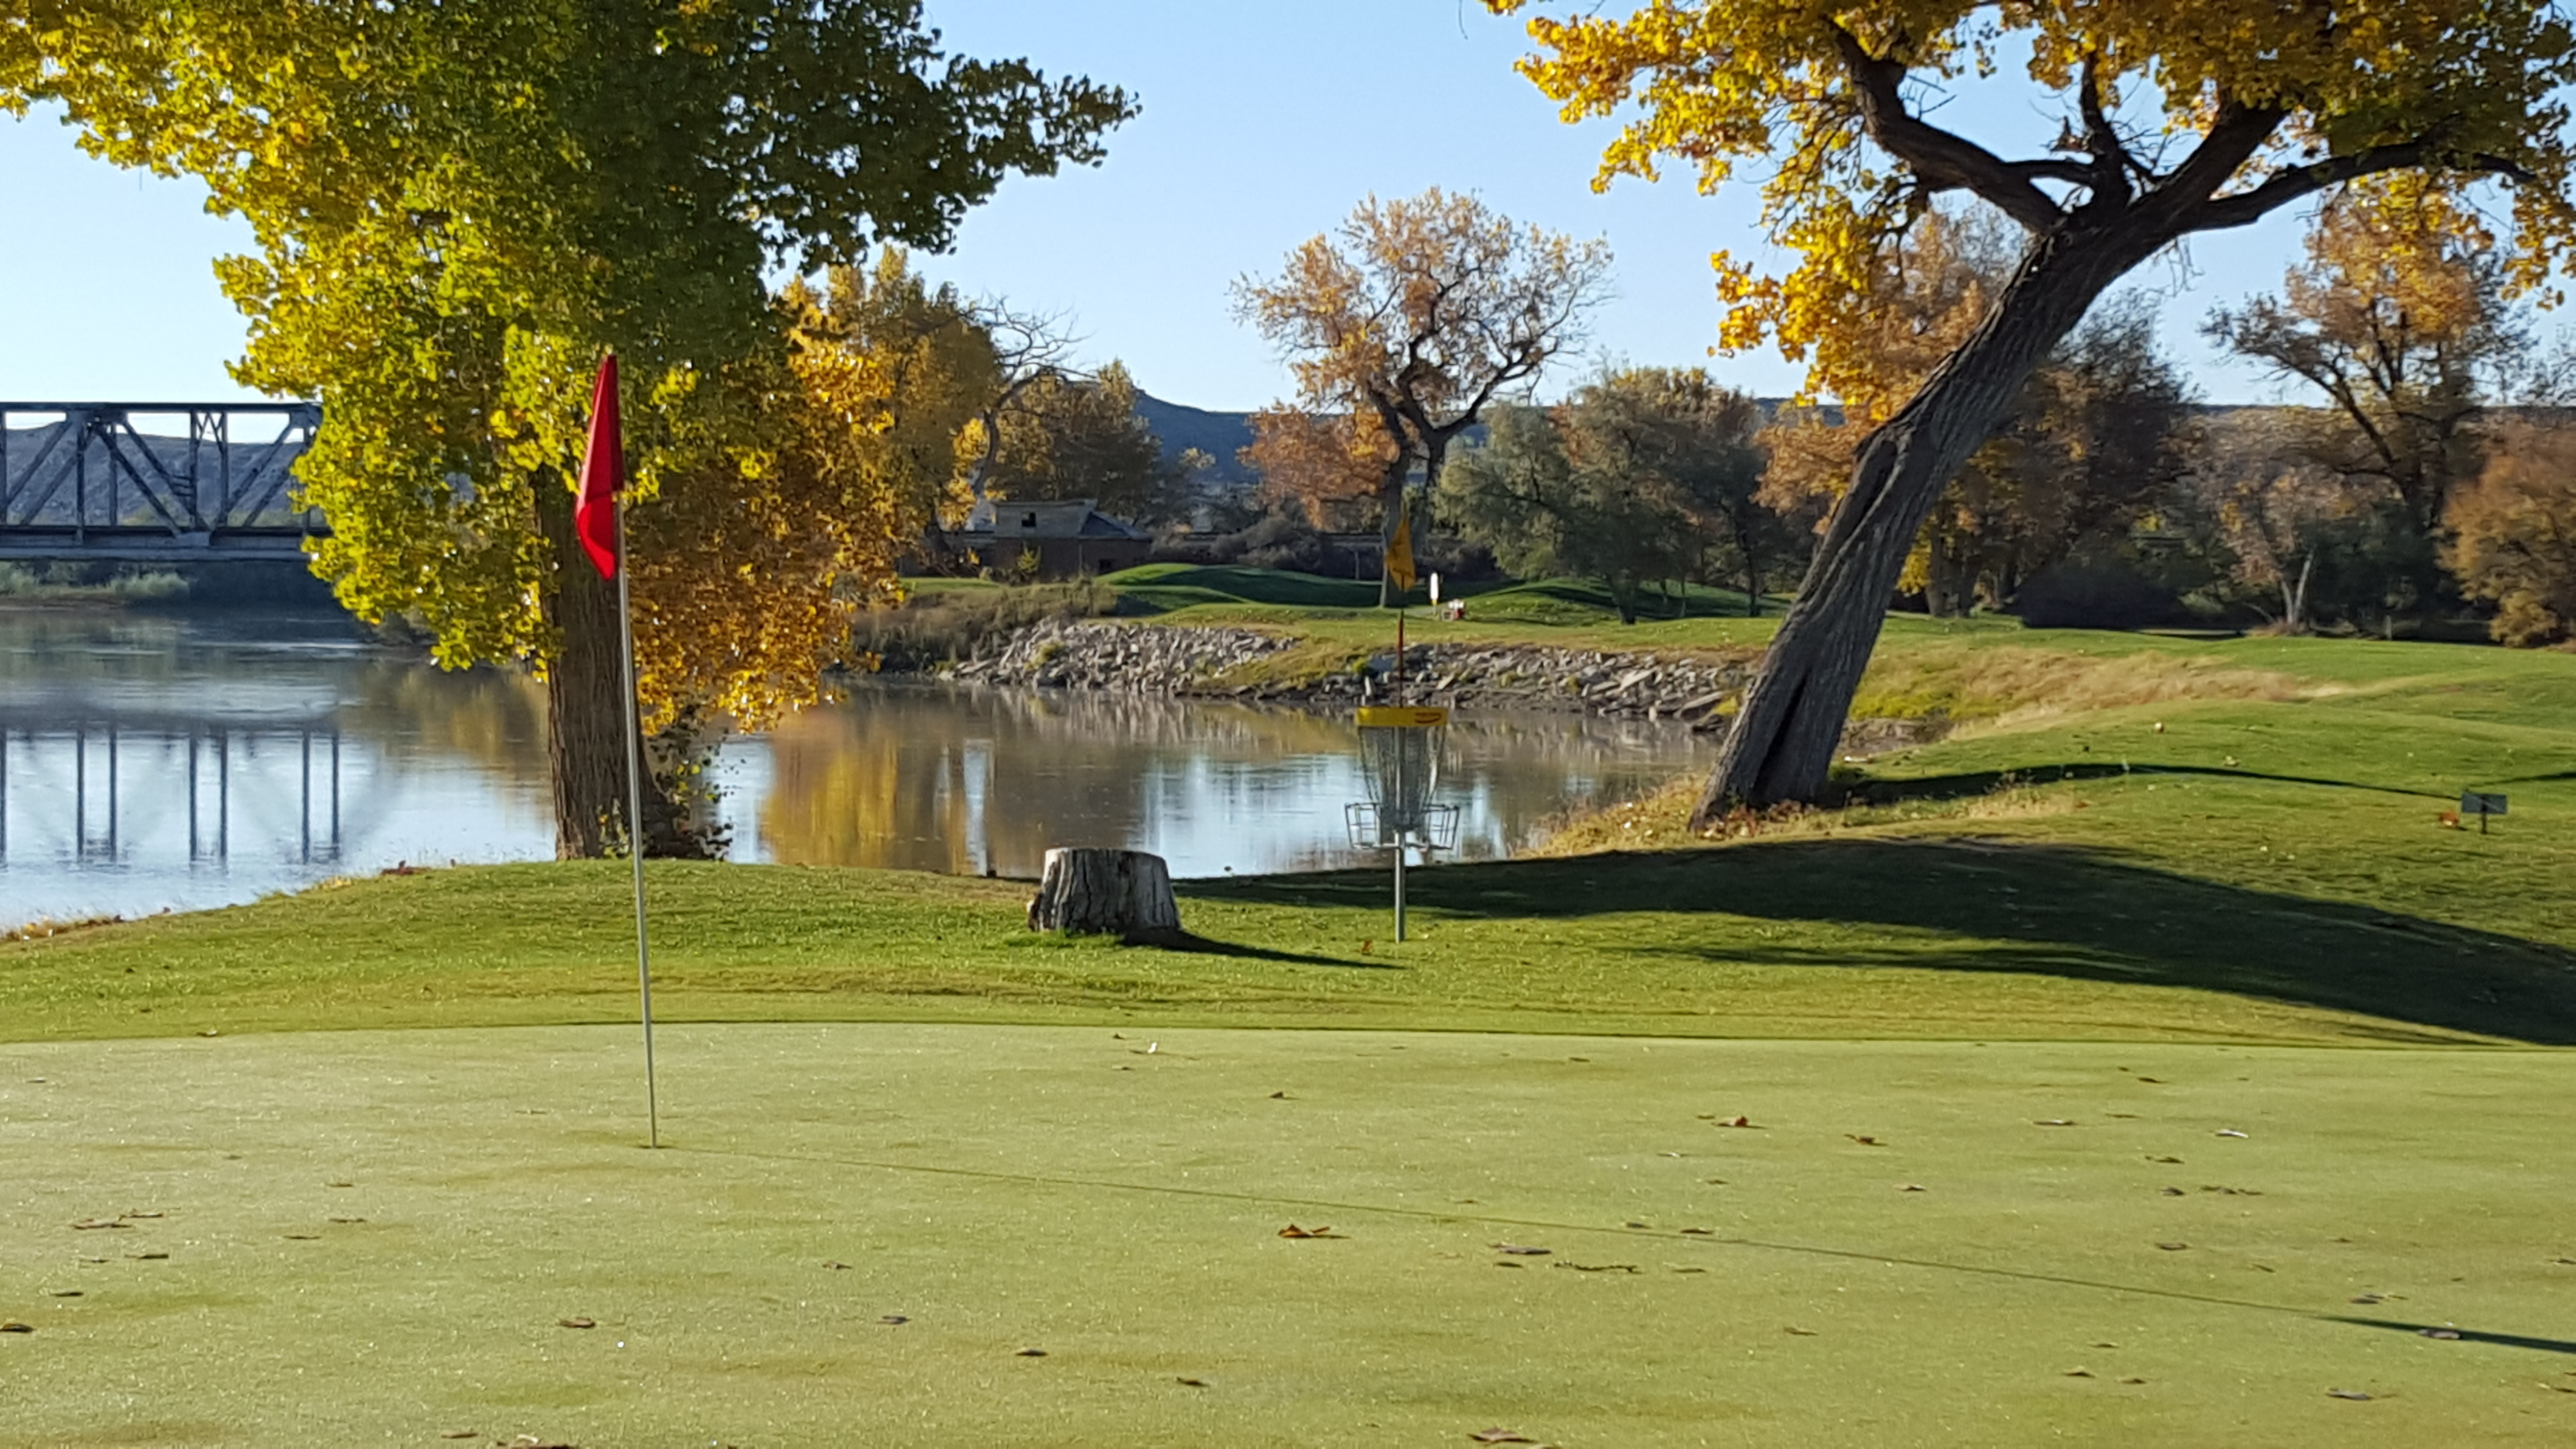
[1262,124]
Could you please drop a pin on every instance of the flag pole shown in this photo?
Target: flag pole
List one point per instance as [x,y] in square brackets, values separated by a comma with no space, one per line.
[635,822]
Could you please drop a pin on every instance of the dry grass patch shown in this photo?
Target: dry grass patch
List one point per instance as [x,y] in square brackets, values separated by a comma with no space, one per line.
[1661,821]
[2009,687]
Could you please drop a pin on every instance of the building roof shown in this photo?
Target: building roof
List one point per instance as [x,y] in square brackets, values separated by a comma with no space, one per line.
[1041,519]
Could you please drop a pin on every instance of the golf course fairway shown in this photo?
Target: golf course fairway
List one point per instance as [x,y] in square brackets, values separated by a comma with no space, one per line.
[2152,1060]
[854,1232]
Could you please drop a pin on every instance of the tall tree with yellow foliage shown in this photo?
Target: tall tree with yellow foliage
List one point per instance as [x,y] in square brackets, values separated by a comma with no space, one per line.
[2173,118]
[458,207]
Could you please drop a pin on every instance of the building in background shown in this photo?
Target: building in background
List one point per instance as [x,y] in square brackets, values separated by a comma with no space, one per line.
[1069,538]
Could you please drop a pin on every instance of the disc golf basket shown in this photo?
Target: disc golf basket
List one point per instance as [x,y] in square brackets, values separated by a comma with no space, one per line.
[1400,745]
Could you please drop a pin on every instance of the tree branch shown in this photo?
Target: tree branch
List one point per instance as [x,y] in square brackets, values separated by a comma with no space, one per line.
[1943,160]
[2235,134]
[2112,166]
[2246,207]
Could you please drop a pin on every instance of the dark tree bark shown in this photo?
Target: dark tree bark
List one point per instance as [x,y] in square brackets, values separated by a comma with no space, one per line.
[586,706]
[1783,741]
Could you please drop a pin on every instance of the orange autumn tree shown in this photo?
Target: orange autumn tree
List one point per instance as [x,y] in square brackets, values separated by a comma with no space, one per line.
[2512,535]
[1422,312]
[1329,466]
[2170,118]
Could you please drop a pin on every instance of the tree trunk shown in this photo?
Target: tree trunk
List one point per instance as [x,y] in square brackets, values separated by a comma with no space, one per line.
[586,705]
[1946,584]
[1784,737]
[1390,497]
[1098,892]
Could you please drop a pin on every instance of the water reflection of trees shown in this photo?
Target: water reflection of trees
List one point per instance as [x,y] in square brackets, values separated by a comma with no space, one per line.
[966,780]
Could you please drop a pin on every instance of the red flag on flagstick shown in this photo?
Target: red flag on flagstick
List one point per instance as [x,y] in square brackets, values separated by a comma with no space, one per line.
[603,475]
[594,518]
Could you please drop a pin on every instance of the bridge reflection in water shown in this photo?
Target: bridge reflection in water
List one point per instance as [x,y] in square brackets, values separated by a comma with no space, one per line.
[98,771]
[151,762]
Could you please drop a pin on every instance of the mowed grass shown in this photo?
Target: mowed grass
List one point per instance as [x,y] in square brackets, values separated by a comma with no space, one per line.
[856,1232]
[2153,891]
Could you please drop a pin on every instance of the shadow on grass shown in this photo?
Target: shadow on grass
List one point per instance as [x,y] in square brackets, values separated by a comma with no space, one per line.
[2046,910]
[2464,1335]
[1197,945]
[1985,782]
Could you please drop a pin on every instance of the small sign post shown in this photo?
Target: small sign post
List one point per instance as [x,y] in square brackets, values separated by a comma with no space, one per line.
[2480,805]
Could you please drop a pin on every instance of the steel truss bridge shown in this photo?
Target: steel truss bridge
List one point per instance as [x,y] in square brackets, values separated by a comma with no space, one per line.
[159,483]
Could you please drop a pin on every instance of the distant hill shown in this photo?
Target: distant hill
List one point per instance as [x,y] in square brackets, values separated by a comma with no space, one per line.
[1182,427]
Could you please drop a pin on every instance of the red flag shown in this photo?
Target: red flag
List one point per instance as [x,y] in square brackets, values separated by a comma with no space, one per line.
[603,475]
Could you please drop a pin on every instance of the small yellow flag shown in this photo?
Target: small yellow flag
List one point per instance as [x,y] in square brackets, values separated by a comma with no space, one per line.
[1399,551]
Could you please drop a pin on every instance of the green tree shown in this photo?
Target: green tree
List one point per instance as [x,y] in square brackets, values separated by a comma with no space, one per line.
[457,208]
[1633,481]
[1692,444]
[2171,118]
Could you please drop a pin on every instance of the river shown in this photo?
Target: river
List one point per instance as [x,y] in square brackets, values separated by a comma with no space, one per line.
[152,762]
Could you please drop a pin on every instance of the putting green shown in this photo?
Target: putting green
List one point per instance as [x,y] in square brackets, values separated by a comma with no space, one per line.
[377,1236]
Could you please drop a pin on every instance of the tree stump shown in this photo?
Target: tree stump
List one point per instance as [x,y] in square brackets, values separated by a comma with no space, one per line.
[1098,892]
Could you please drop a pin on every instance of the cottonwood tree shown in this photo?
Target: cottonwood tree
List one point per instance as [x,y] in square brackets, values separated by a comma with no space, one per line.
[2091,443]
[1329,466]
[457,208]
[1635,479]
[1422,312]
[2171,119]
[2513,535]
[2398,319]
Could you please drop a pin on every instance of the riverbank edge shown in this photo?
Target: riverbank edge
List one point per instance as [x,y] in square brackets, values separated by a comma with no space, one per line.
[1273,666]
[1252,664]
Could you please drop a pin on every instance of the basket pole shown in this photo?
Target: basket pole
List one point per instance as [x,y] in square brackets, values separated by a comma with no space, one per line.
[1400,752]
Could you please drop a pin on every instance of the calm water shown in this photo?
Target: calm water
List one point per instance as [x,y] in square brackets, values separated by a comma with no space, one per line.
[150,763]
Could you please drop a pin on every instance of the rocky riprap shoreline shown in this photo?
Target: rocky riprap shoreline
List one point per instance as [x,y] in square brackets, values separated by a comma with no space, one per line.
[1241,664]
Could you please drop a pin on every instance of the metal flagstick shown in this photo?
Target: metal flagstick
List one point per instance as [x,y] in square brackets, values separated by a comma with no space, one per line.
[635,822]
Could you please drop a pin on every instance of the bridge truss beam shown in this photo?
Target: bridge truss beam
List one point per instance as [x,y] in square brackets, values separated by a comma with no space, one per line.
[82,480]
